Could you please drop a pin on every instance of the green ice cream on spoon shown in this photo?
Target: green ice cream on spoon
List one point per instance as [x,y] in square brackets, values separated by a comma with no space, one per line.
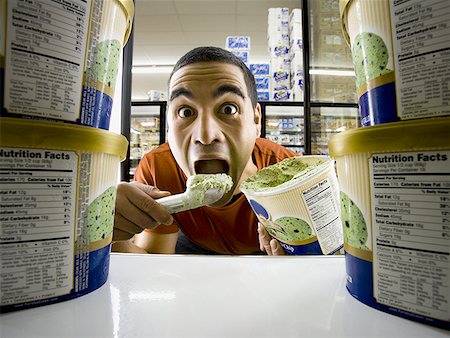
[201,189]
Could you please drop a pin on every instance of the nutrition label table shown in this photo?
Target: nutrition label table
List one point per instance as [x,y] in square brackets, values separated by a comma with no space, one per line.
[421,39]
[45,49]
[37,200]
[411,223]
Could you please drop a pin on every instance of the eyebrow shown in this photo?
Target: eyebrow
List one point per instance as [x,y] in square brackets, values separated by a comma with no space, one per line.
[224,89]
[180,92]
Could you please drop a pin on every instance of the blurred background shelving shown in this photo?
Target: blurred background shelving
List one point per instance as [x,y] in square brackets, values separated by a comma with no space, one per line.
[146,133]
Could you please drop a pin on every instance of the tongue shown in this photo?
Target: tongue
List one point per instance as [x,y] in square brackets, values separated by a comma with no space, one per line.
[211,167]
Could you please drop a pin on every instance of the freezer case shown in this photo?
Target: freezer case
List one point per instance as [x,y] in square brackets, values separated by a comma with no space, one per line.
[145,131]
[333,101]
[326,121]
[284,124]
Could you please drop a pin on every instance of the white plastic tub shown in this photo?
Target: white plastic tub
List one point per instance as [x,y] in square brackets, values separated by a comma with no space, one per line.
[59,61]
[395,197]
[303,213]
[57,197]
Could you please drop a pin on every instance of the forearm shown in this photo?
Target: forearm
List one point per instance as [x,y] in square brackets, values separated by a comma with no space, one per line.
[127,247]
[152,242]
[156,243]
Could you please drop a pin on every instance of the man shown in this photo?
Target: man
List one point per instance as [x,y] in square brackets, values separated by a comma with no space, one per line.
[214,124]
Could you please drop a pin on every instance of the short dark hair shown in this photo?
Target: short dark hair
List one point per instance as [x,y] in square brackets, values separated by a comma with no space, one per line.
[216,54]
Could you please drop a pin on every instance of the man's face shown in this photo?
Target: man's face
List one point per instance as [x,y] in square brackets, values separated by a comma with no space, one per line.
[212,123]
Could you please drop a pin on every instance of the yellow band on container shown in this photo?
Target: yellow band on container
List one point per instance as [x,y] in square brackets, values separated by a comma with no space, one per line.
[303,242]
[359,253]
[128,7]
[375,83]
[101,87]
[423,134]
[26,133]
[94,246]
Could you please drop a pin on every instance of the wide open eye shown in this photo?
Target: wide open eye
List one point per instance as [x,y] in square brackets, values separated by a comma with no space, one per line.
[185,112]
[228,109]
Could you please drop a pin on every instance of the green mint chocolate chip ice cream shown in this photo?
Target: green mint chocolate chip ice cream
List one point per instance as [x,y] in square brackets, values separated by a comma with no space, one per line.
[198,185]
[277,174]
[370,57]
[105,64]
[289,229]
[100,215]
[354,225]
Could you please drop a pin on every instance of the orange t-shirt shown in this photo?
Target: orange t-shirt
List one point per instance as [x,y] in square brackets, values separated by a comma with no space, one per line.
[228,230]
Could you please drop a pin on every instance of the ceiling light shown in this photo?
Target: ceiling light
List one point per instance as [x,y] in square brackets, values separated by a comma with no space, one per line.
[334,72]
[153,69]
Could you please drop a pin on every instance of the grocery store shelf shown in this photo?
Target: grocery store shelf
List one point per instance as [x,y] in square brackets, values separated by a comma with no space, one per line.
[280,131]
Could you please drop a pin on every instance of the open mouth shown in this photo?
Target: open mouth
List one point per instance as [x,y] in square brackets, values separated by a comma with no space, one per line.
[211,167]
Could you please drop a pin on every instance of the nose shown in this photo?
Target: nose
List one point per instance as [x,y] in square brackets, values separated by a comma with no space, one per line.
[207,129]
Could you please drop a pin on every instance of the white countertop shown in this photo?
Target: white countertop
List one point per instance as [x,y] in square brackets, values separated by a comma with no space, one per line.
[216,296]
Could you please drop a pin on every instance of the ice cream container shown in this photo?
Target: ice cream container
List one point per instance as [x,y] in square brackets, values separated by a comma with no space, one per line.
[400,55]
[57,197]
[297,201]
[367,28]
[61,59]
[394,184]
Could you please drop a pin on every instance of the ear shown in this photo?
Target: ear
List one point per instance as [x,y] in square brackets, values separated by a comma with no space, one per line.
[257,118]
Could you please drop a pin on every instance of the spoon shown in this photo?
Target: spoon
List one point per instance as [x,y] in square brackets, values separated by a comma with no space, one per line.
[201,189]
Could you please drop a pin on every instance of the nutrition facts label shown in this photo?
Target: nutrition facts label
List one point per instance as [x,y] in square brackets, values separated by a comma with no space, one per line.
[45,53]
[325,214]
[37,217]
[421,39]
[411,230]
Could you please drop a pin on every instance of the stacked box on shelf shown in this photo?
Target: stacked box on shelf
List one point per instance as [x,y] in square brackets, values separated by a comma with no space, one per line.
[239,46]
[296,51]
[331,44]
[278,46]
[261,72]
[285,139]
[135,150]
[284,124]
[287,131]
[144,136]
[335,88]
[332,52]
[156,95]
